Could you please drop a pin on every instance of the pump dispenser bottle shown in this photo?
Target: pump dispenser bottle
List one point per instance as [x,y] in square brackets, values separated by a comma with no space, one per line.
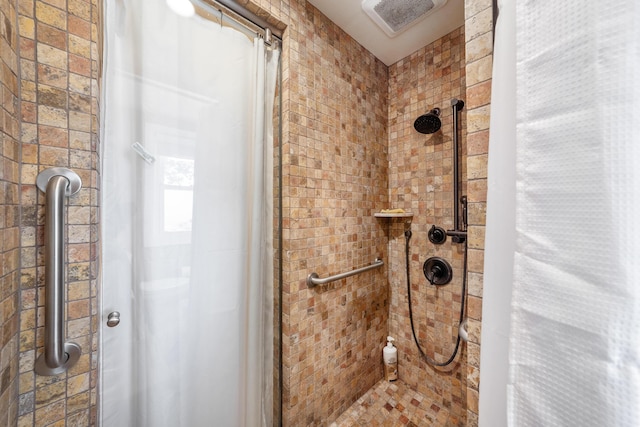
[390,358]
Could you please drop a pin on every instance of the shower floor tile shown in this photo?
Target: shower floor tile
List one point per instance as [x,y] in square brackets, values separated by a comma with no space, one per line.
[393,404]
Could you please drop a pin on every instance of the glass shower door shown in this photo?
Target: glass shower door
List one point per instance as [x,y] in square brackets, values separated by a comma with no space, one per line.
[187,271]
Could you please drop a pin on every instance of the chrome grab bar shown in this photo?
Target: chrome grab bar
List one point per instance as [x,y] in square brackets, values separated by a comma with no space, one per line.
[313,279]
[58,355]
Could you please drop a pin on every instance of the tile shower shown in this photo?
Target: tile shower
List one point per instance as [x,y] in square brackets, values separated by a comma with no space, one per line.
[421,181]
[346,155]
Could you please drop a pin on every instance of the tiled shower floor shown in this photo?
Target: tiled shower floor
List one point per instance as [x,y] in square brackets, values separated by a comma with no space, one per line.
[393,404]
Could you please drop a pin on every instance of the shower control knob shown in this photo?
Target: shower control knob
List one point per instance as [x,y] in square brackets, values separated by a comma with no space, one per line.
[113,319]
[437,271]
[437,235]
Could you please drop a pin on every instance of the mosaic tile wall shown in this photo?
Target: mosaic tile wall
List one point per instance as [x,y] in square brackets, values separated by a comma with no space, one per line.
[421,181]
[473,64]
[59,121]
[335,169]
[479,60]
[9,215]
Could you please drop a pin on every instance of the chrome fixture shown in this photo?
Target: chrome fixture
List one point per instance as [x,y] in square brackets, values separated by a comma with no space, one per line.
[313,279]
[113,319]
[246,16]
[58,355]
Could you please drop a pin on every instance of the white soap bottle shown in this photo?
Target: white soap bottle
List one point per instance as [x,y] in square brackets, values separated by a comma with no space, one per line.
[390,358]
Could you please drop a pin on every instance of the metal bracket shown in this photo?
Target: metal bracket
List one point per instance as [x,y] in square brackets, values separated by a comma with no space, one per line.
[75,183]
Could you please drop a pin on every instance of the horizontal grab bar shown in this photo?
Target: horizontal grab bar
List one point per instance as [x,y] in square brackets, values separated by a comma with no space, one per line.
[313,279]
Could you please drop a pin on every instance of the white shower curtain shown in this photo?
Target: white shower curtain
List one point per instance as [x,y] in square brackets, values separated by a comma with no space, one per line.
[188,231]
[500,225]
[574,343]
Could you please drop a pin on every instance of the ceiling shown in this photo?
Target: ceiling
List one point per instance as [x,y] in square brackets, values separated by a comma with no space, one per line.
[349,16]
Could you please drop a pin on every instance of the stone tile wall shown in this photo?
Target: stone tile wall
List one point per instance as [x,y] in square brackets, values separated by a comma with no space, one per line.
[421,182]
[9,214]
[59,123]
[335,178]
[429,77]
[479,61]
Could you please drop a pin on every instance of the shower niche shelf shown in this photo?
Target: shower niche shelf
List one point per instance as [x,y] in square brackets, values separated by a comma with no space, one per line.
[393,215]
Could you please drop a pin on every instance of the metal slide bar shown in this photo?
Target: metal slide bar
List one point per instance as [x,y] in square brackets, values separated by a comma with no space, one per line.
[456,105]
[58,355]
[313,279]
[458,235]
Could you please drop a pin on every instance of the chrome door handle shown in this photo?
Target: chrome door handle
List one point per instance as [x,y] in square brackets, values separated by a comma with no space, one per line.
[113,319]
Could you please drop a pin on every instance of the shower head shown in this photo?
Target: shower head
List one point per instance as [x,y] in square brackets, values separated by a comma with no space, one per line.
[428,123]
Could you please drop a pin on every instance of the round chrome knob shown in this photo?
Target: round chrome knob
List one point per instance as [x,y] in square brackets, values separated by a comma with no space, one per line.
[113,319]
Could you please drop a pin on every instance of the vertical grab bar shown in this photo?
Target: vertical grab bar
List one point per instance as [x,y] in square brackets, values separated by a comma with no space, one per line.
[58,355]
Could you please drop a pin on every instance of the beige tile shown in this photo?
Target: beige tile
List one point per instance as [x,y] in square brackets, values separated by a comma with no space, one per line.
[479,95]
[50,393]
[51,15]
[49,414]
[477,190]
[52,97]
[79,121]
[480,70]
[50,116]
[51,36]
[51,76]
[78,402]
[80,9]
[77,384]
[478,119]
[478,24]
[27,341]
[478,143]
[474,7]
[51,56]
[27,27]
[53,156]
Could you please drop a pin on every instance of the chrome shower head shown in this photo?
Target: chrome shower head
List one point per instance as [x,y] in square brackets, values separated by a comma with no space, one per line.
[428,123]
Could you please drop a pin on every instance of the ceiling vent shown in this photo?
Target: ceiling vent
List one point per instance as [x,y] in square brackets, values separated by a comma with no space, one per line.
[396,16]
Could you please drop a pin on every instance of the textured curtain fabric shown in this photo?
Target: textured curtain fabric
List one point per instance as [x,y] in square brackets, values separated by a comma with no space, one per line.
[500,236]
[561,301]
[575,341]
[188,217]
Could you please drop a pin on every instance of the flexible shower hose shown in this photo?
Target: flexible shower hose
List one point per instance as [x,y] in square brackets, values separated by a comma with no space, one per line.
[407,236]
